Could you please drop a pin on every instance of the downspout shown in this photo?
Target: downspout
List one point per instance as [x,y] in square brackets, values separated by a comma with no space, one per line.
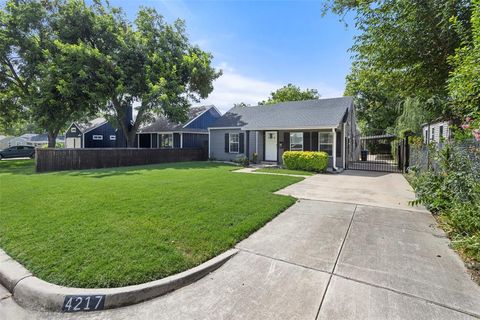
[344,145]
[334,152]
[181,140]
[209,155]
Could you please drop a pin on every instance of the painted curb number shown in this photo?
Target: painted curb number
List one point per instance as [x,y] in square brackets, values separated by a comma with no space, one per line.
[83,303]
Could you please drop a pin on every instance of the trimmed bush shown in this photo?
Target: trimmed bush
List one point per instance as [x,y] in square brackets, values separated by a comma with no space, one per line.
[305,160]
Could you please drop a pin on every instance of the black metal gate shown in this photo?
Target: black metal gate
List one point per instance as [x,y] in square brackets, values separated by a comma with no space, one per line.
[384,153]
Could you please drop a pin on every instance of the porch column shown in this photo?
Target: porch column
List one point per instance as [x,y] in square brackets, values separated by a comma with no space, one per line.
[181,140]
[334,151]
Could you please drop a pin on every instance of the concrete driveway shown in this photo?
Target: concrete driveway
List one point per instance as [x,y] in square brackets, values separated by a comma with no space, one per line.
[335,259]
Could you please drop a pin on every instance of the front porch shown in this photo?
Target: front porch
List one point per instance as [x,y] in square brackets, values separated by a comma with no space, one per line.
[268,146]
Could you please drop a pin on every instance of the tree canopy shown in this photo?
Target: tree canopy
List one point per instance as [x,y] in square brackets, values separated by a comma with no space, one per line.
[402,52]
[464,82]
[290,92]
[40,66]
[63,60]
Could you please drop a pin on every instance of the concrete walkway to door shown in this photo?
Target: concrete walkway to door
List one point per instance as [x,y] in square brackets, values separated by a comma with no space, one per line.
[334,259]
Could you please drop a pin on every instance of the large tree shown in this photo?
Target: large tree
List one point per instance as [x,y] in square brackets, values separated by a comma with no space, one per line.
[401,52]
[464,83]
[148,63]
[41,71]
[290,92]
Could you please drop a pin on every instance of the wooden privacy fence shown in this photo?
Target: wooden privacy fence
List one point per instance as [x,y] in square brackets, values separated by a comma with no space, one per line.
[50,159]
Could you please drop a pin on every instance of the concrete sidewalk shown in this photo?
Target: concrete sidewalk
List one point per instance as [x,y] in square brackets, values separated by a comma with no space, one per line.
[321,260]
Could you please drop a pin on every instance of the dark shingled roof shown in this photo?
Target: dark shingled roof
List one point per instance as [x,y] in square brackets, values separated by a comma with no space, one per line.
[162,124]
[316,113]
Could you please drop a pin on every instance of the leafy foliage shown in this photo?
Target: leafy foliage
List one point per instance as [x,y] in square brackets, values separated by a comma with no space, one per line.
[40,69]
[464,82]
[402,51]
[290,92]
[305,160]
[451,189]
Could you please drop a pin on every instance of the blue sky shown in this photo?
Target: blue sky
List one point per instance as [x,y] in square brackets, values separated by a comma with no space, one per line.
[263,45]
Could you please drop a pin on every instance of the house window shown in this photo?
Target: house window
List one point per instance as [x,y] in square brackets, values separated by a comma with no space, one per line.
[166,140]
[325,142]
[73,129]
[296,141]
[233,143]
[433,134]
[426,136]
[440,132]
[97,137]
[113,137]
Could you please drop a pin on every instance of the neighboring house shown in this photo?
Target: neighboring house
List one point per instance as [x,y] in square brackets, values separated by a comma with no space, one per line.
[193,133]
[18,141]
[323,124]
[96,133]
[436,131]
[4,142]
[40,140]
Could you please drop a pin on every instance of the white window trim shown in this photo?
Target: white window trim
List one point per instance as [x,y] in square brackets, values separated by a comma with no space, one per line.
[320,143]
[230,143]
[97,137]
[160,139]
[113,136]
[73,129]
[303,144]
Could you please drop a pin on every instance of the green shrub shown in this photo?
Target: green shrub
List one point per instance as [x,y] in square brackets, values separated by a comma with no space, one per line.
[305,160]
[451,189]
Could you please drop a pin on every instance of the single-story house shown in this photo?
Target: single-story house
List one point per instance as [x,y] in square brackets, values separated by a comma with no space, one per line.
[40,140]
[269,130]
[193,133]
[97,133]
[436,131]
[5,142]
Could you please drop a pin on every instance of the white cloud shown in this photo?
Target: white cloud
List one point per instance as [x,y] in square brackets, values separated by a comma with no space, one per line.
[233,87]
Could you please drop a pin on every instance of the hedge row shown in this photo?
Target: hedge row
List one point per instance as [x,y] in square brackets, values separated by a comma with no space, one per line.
[306,160]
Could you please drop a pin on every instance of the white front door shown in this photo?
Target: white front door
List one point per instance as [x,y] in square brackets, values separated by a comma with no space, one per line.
[271,145]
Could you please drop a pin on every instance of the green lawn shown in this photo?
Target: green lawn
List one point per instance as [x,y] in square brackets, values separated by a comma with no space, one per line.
[285,171]
[123,226]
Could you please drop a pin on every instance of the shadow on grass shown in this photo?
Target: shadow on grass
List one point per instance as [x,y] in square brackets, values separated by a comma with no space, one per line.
[27,167]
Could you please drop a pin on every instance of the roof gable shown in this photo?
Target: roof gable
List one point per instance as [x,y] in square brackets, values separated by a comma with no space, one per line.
[163,124]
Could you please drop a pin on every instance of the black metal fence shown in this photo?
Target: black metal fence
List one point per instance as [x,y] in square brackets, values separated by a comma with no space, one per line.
[383,153]
[49,159]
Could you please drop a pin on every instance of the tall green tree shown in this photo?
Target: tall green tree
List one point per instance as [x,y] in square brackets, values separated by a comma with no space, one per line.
[40,70]
[402,51]
[149,63]
[464,82]
[290,92]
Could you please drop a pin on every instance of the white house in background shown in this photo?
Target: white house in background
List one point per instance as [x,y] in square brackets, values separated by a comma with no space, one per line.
[28,139]
[4,142]
[436,130]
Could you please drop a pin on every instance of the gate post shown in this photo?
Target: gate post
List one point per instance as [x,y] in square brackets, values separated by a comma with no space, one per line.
[407,156]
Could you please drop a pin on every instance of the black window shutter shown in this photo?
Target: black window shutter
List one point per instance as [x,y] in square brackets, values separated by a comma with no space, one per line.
[314,141]
[306,141]
[226,143]
[286,141]
[241,138]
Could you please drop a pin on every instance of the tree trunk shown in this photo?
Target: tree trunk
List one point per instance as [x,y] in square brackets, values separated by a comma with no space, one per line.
[52,139]
[130,138]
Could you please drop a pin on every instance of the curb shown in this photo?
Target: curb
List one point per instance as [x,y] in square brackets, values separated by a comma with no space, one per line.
[34,293]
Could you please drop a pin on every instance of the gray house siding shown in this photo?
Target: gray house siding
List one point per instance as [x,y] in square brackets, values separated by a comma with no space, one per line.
[217,145]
